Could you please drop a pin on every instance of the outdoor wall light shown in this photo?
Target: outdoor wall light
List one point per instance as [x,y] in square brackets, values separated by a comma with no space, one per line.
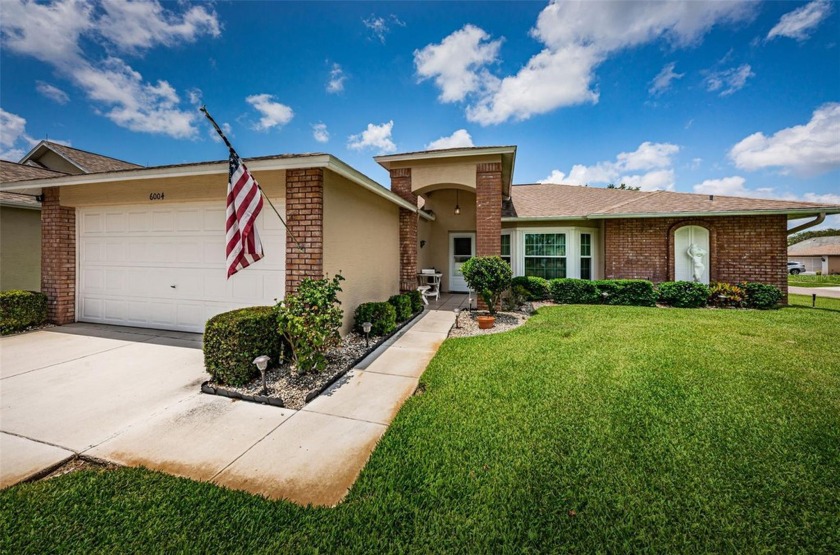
[457,204]
[366,328]
[457,312]
[262,363]
[422,243]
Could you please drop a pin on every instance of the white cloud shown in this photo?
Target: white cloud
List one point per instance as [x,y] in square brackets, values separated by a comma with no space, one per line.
[460,138]
[336,81]
[274,113]
[214,135]
[662,81]
[52,92]
[53,33]
[727,186]
[654,159]
[195,95]
[728,81]
[14,140]
[379,27]
[809,149]
[142,24]
[320,133]
[456,62]
[799,23]
[376,137]
[576,37]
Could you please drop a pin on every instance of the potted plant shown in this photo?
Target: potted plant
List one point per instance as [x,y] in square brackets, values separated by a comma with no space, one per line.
[489,276]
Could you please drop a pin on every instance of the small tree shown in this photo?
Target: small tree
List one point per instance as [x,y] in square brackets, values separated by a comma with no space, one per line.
[310,321]
[489,276]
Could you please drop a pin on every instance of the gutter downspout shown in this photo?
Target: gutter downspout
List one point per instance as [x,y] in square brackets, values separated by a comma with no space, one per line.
[817,221]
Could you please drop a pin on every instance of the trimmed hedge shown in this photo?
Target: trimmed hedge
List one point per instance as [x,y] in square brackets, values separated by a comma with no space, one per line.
[417,303]
[20,310]
[574,291]
[538,288]
[761,295]
[232,340]
[683,294]
[402,304]
[627,292]
[382,316]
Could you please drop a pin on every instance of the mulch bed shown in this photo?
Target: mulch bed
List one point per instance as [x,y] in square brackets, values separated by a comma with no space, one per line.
[505,321]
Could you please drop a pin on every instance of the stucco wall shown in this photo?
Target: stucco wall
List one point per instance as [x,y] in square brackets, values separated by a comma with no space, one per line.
[361,241]
[436,234]
[175,189]
[20,249]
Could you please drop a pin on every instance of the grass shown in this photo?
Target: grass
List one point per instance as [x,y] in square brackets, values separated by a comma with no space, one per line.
[814,281]
[589,429]
[826,303]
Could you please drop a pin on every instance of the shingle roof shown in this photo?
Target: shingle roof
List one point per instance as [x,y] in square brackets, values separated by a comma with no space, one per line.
[17,199]
[89,162]
[816,246]
[11,171]
[551,200]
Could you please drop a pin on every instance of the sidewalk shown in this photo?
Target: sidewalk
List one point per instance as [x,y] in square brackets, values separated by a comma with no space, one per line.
[309,456]
[833,292]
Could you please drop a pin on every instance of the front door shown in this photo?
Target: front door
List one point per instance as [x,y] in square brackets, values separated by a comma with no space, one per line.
[461,249]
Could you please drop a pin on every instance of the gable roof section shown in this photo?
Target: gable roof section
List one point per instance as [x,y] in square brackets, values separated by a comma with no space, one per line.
[816,246]
[87,162]
[551,201]
[17,200]
[11,171]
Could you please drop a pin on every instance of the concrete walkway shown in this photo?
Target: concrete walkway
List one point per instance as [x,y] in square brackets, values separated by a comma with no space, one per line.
[311,456]
[833,292]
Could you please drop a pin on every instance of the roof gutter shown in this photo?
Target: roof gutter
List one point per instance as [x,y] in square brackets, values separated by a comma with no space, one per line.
[792,213]
[816,221]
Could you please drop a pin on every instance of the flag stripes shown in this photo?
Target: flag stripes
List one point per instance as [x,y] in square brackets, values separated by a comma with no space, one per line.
[244,203]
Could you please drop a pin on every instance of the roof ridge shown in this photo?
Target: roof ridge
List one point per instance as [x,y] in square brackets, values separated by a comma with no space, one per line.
[626,202]
[52,143]
[39,168]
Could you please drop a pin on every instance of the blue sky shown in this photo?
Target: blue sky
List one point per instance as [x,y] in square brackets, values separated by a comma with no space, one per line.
[735,98]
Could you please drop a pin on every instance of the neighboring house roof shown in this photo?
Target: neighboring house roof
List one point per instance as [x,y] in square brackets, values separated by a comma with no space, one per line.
[552,201]
[87,162]
[816,246]
[17,200]
[12,171]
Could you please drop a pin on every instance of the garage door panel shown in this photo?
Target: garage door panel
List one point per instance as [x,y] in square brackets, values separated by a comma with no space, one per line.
[130,257]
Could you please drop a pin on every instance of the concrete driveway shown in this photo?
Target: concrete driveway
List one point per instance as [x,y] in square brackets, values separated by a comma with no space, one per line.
[67,389]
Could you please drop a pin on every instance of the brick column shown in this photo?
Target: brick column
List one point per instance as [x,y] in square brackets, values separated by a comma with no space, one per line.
[401,185]
[58,258]
[305,221]
[488,209]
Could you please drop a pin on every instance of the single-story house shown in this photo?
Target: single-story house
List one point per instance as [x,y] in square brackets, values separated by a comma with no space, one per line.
[818,254]
[144,246]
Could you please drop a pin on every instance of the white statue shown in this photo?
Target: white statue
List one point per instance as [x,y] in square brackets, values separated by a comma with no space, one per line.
[696,254]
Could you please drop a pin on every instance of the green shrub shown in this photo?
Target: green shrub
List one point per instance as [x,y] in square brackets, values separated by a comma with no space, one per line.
[310,321]
[537,287]
[417,303]
[627,292]
[489,276]
[725,295]
[574,291]
[402,304]
[761,295]
[382,316]
[20,310]
[516,297]
[232,340]
[683,294]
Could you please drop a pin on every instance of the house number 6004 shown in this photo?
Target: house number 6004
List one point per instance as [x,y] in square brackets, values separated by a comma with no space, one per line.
[155,196]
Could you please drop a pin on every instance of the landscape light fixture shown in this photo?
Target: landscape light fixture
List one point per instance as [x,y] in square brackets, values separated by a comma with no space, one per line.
[457,312]
[366,328]
[262,363]
[457,204]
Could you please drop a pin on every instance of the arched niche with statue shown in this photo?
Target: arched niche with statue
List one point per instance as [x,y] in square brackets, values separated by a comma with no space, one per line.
[692,254]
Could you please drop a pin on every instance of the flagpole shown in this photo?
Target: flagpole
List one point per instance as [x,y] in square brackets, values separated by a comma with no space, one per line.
[230,146]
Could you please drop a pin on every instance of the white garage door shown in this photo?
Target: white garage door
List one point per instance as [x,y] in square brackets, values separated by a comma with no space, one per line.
[164,266]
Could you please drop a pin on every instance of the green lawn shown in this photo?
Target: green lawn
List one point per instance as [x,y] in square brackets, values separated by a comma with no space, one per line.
[827,303]
[814,281]
[590,429]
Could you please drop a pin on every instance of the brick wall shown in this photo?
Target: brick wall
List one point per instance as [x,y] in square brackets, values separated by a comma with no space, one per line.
[488,209]
[742,248]
[58,257]
[401,185]
[305,221]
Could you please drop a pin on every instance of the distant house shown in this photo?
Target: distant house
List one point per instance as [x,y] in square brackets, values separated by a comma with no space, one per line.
[145,246]
[818,254]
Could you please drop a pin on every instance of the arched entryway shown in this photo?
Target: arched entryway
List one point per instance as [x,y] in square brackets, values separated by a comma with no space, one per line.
[692,254]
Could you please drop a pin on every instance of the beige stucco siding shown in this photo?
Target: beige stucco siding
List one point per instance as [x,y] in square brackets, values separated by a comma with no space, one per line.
[361,241]
[174,189]
[430,173]
[20,249]
[435,253]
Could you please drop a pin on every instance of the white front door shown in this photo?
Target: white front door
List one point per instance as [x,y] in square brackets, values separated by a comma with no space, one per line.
[461,249]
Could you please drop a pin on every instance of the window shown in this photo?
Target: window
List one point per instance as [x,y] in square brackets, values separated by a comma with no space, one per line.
[506,248]
[545,255]
[585,256]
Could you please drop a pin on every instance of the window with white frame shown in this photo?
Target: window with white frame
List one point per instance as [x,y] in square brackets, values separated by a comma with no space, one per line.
[585,256]
[545,255]
[505,253]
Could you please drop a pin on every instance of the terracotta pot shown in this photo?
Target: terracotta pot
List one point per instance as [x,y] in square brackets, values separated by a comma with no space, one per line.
[486,322]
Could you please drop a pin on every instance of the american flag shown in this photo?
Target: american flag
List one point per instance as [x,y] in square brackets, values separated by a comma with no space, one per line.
[244,203]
